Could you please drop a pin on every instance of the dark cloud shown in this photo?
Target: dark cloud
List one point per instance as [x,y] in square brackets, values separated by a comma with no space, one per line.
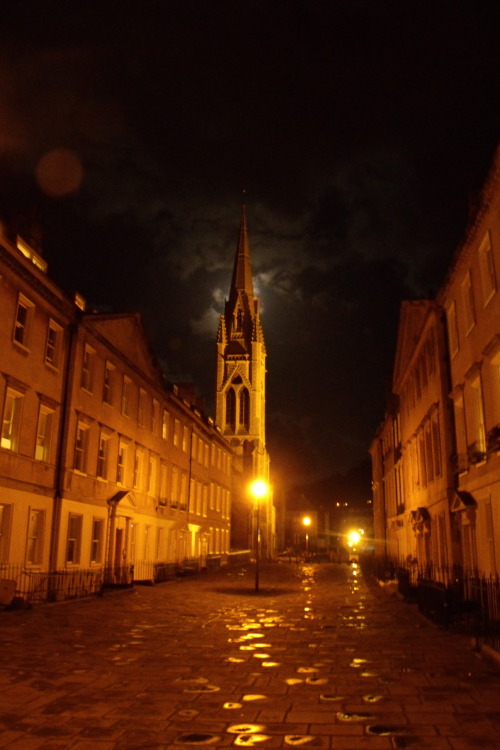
[360,131]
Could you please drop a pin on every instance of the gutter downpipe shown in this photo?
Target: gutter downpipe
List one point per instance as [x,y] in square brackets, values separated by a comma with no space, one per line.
[60,458]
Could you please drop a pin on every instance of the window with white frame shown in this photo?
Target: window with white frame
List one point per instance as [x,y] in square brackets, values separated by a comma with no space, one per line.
[487,269]
[44,433]
[475,421]
[11,422]
[468,302]
[495,387]
[217,497]
[185,439]
[5,527]
[74,539]
[183,492]
[192,496]
[53,344]
[152,473]
[429,460]
[102,455]
[436,445]
[138,467]
[155,416]
[174,487]
[24,321]
[121,463]
[177,427]
[34,541]
[163,482]
[164,424]
[81,447]
[451,317]
[107,386]
[126,388]
[141,410]
[205,500]
[198,498]
[159,543]
[88,364]
[97,541]
[460,429]
[147,542]
[133,542]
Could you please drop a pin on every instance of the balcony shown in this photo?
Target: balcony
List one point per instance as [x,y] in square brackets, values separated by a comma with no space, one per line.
[476,452]
[493,439]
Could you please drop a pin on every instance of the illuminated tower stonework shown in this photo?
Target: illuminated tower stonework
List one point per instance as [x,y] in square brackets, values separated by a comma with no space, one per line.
[240,382]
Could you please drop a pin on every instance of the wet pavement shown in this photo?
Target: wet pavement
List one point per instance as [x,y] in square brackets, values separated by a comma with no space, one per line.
[318,658]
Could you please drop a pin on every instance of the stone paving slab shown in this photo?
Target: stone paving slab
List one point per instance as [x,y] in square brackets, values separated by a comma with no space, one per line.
[319,658]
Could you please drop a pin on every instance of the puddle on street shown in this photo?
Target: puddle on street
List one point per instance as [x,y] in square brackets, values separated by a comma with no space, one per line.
[271,664]
[372,698]
[357,663]
[293,681]
[298,739]
[344,716]
[245,728]
[316,680]
[235,660]
[254,697]
[331,698]
[260,655]
[248,740]
[232,705]
[197,738]
[380,730]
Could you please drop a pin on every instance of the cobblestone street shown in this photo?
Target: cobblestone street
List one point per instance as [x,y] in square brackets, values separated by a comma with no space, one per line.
[318,658]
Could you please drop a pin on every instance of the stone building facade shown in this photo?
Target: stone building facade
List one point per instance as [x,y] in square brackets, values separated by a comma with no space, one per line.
[436,455]
[103,464]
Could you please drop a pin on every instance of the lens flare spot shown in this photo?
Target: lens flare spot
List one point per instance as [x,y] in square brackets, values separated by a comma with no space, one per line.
[59,172]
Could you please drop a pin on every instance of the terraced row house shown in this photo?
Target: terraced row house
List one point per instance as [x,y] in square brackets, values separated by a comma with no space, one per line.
[436,455]
[104,467]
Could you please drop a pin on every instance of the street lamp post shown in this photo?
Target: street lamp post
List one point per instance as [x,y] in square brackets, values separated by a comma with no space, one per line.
[258,490]
[307,522]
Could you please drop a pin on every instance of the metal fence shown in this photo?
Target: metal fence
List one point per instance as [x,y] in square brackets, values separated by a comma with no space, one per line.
[22,586]
[25,586]
[449,595]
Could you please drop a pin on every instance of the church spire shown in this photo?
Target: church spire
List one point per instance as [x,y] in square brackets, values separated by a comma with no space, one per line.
[242,272]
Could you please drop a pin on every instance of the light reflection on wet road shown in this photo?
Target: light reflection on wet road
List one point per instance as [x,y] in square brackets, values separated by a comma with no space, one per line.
[316,659]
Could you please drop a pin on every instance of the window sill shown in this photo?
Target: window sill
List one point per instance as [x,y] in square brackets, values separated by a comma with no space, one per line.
[22,347]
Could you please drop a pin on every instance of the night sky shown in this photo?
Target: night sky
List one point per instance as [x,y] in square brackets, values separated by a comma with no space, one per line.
[361,131]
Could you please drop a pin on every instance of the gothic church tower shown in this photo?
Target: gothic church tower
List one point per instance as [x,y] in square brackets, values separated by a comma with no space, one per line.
[240,397]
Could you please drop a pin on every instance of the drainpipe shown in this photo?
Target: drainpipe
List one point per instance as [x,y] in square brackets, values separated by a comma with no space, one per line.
[190,473]
[62,446]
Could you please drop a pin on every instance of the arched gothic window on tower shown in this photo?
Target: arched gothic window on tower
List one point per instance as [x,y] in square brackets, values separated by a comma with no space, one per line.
[244,408]
[231,409]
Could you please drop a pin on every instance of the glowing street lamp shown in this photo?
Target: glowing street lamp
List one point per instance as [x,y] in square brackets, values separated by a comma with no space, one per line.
[354,538]
[259,490]
[307,522]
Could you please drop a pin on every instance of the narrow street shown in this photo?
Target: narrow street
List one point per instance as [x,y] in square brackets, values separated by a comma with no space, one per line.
[318,658]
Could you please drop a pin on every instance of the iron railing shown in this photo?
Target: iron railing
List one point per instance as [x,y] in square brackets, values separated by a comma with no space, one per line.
[450,595]
[24,586]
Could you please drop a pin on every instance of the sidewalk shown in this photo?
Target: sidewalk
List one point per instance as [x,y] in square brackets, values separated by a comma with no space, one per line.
[318,658]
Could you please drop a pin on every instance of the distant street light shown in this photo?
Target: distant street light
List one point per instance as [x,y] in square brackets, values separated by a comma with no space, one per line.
[307,522]
[259,490]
